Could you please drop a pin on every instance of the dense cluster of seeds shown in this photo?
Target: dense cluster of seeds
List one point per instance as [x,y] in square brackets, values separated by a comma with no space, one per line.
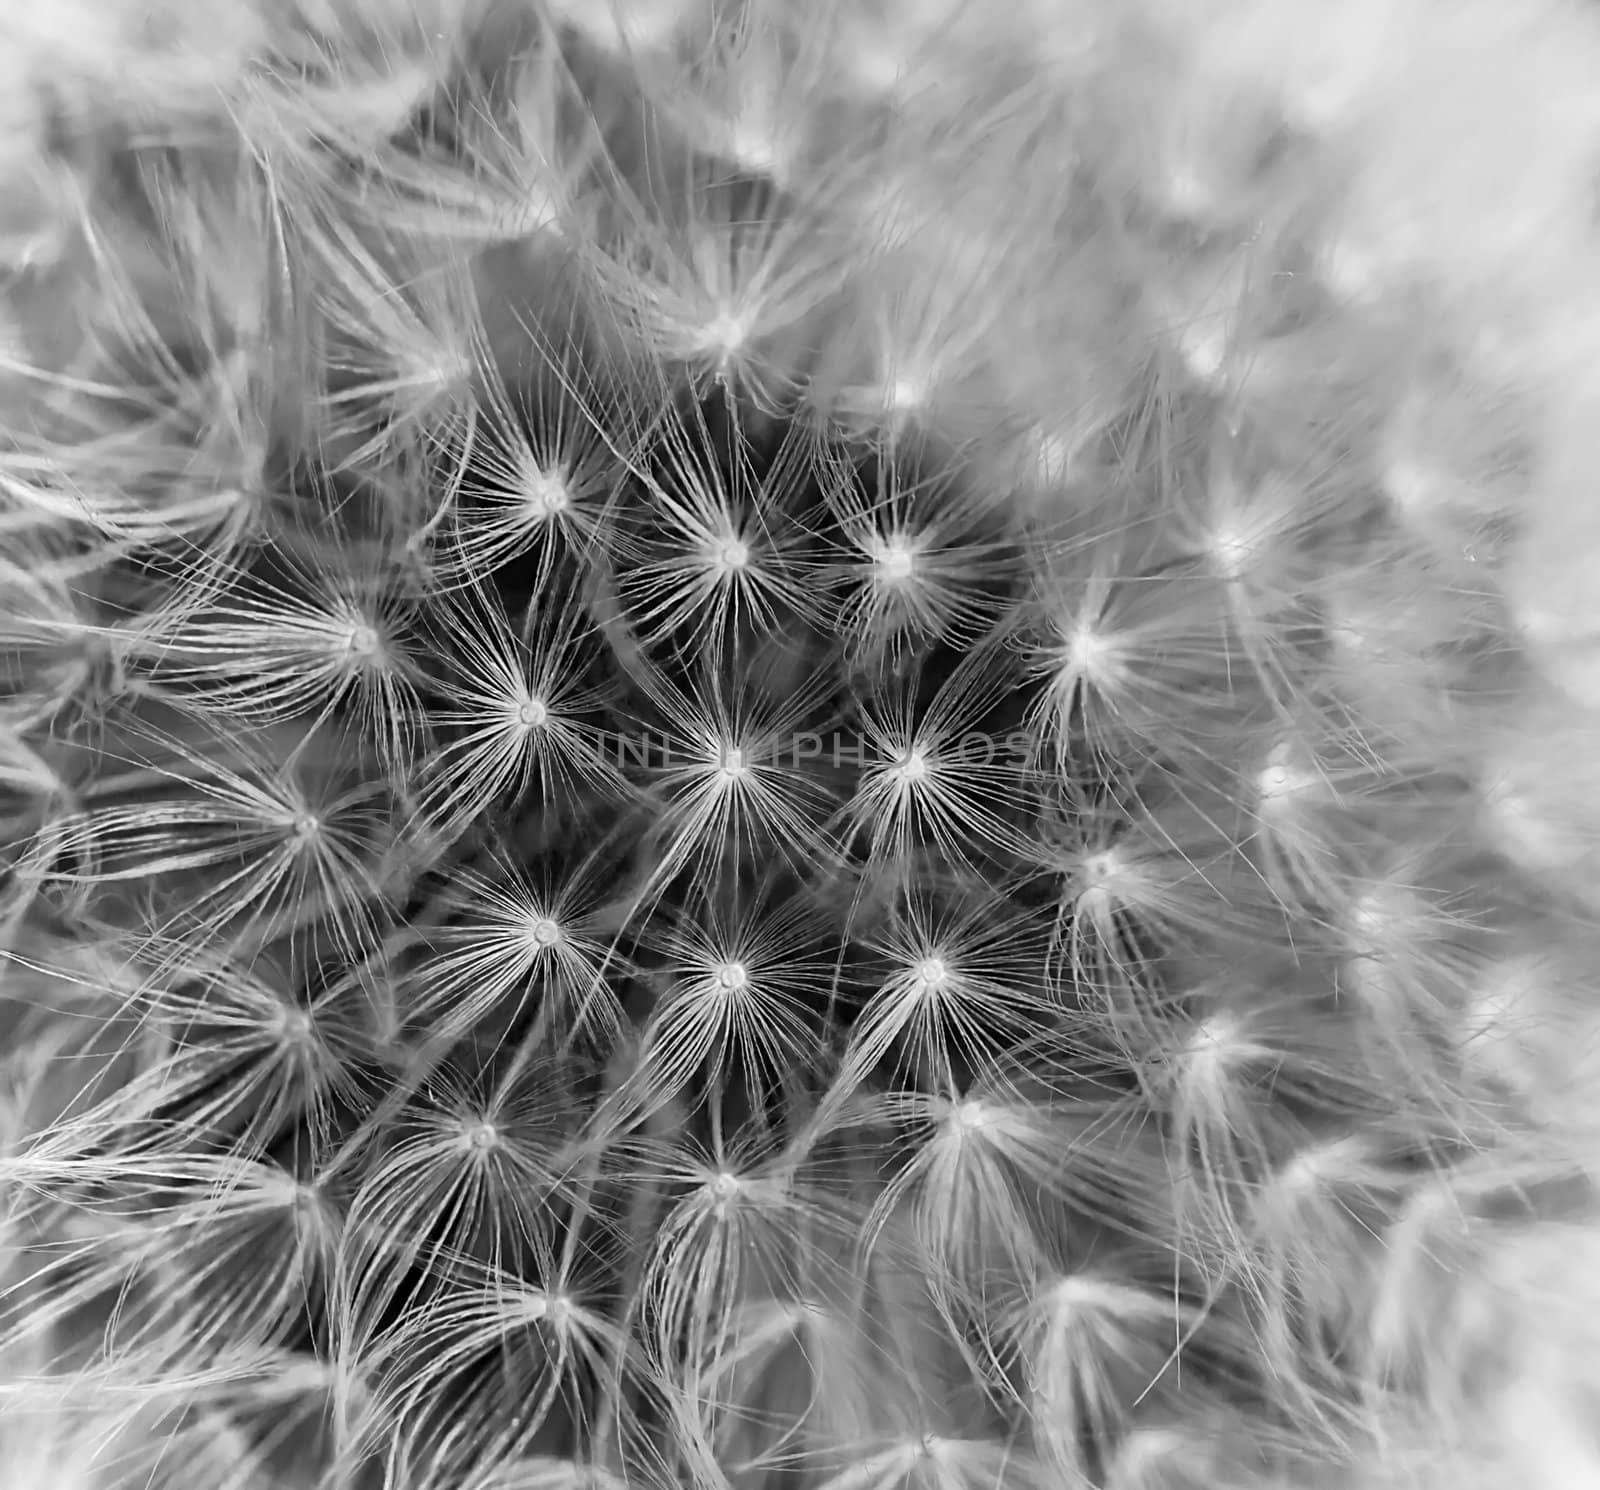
[719,772]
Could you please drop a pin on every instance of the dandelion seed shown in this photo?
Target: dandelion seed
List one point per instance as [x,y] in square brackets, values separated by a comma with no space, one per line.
[922,557]
[1295,843]
[731,294]
[958,987]
[1214,1051]
[715,561]
[923,1461]
[466,1173]
[232,842]
[1314,1252]
[395,366]
[734,554]
[894,558]
[511,936]
[733,1006]
[223,1051]
[1410,942]
[1103,893]
[905,393]
[1531,829]
[1412,487]
[971,1186]
[909,344]
[1205,344]
[738,1225]
[531,477]
[934,779]
[1133,663]
[1379,920]
[1283,780]
[1082,1340]
[912,768]
[972,1116]
[624,27]
[520,717]
[248,1252]
[1233,549]
[545,933]
[1264,1055]
[473,1377]
[733,786]
[546,493]
[303,648]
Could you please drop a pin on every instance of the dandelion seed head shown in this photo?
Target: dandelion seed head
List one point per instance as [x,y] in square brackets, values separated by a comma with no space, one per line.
[732,556]
[560,1309]
[1410,486]
[1100,869]
[545,493]
[1147,1452]
[545,1306]
[1233,549]
[894,559]
[1352,637]
[479,1136]
[1074,1294]
[1276,783]
[1372,918]
[1504,1006]
[362,642]
[731,977]
[295,1027]
[1089,653]
[1315,1167]
[912,767]
[725,334]
[306,1202]
[540,924]
[971,1115]
[931,974]
[905,393]
[543,933]
[755,144]
[1538,840]
[1283,778]
[1212,1045]
[442,374]
[1204,348]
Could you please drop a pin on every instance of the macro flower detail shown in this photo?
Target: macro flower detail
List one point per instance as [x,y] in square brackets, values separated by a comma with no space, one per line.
[784,746]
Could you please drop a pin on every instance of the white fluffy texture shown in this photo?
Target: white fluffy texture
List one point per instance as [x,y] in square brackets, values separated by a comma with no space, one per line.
[1471,133]
[1445,190]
